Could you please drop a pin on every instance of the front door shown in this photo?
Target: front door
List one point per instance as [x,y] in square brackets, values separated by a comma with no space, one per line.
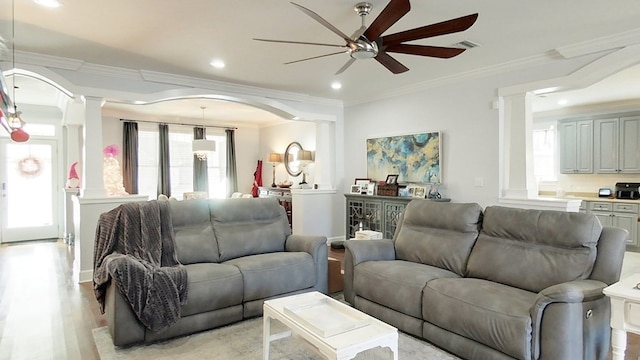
[29,190]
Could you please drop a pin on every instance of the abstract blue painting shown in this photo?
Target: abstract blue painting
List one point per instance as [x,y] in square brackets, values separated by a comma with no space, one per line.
[415,158]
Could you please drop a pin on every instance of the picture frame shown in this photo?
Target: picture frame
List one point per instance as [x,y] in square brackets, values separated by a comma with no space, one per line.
[420,192]
[392,179]
[371,189]
[416,158]
[364,184]
[355,189]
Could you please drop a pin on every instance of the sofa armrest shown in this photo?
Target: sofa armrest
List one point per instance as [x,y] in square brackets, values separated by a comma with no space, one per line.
[359,251]
[573,300]
[123,324]
[316,246]
[572,292]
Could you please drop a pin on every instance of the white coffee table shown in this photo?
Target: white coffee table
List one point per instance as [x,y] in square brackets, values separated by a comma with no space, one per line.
[625,313]
[336,330]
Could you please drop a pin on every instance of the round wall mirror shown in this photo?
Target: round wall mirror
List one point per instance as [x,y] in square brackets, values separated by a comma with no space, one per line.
[291,161]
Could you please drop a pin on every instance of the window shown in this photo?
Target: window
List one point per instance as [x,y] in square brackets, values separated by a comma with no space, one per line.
[148,161]
[544,145]
[217,167]
[181,161]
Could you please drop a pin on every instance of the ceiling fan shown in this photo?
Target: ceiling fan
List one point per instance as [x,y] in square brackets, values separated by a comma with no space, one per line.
[367,42]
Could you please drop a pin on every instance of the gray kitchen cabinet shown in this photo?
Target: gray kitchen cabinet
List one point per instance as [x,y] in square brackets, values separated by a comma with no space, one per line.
[622,215]
[617,145]
[606,135]
[576,146]
[629,159]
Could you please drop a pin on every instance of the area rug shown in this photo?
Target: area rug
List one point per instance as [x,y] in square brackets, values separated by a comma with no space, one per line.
[243,341]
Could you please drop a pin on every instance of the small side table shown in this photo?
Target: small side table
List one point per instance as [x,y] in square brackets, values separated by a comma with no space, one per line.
[625,313]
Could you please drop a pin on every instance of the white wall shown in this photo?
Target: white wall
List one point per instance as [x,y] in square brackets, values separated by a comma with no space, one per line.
[276,138]
[463,112]
[247,156]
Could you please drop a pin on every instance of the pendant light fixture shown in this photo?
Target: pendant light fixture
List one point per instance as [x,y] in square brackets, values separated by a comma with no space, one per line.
[13,119]
[201,147]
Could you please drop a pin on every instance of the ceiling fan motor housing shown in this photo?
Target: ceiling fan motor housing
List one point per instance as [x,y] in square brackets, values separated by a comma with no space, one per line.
[363,49]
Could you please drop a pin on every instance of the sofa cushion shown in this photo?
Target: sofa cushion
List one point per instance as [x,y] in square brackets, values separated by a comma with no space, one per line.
[267,275]
[534,249]
[396,284]
[212,287]
[438,234]
[248,226]
[490,313]
[195,240]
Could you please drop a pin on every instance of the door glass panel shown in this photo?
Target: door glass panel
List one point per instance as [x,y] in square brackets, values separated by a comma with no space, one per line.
[28,189]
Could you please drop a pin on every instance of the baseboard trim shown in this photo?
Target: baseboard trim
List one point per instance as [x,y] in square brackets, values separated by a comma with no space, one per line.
[85,276]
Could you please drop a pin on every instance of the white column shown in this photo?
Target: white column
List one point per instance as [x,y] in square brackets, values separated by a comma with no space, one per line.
[92,157]
[74,145]
[518,186]
[325,152]
[517,147]
[73,118]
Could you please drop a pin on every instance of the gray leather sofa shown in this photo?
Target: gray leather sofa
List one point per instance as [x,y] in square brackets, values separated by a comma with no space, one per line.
[504,284]
[237,253]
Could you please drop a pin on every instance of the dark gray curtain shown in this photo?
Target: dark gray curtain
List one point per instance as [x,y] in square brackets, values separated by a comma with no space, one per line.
[130,156]
[164,178]
[200,177]
[232,172]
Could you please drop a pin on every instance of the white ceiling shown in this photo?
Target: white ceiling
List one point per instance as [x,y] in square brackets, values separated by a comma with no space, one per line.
[183,37]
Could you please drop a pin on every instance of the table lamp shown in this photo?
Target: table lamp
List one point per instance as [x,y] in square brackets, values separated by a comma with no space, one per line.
[274,159]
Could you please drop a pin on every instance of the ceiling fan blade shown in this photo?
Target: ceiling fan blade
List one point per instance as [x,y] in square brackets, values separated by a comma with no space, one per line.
[298,42]
[324,22]
[315,57]
[432,51]
[345,66]
[441,28]
[390,63]
[395,10]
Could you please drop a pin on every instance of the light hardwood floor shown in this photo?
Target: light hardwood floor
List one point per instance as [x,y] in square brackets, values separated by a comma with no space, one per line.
[45,315]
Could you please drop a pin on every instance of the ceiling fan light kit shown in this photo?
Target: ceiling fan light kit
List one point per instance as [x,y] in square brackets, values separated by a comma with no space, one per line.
[368,42]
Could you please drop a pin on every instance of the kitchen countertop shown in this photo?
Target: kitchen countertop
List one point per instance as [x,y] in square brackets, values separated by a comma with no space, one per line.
[586,197]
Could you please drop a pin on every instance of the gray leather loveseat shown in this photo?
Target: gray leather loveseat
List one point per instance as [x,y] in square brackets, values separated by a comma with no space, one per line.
[505,283]
[237,253]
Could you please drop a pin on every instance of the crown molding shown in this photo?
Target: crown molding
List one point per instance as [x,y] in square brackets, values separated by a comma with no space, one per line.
[23,57]
[81,67]
[604,43]
[164,78]
[460,77]
[610,42]
[110,71]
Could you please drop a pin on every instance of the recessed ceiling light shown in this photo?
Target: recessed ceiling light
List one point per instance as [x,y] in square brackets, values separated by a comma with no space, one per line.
[336,85]
[218,64]
[49,3]
[563,102]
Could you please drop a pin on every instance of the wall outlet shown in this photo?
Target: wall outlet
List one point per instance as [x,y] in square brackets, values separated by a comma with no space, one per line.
[478,182]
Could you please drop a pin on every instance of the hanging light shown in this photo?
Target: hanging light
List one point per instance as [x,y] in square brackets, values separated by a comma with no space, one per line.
[202,147]
[11,117]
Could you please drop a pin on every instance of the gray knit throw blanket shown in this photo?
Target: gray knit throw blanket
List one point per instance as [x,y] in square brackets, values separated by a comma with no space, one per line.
[135,248]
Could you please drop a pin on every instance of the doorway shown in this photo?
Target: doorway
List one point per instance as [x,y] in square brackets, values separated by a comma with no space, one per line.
[29,190]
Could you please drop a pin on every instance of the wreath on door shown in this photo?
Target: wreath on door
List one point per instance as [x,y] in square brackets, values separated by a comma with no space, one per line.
[30,167]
